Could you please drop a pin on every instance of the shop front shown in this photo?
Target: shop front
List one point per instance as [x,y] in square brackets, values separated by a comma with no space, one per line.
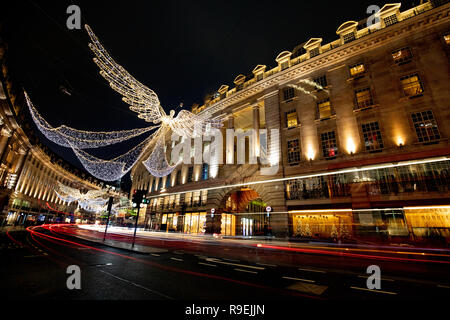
[322,224]
[427,223]
[195,223]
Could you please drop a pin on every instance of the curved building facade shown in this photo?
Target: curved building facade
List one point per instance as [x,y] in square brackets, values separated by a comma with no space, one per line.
[29,171]
[362,153]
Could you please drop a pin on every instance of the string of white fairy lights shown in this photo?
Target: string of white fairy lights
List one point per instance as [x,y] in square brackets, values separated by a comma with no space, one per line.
[92,200]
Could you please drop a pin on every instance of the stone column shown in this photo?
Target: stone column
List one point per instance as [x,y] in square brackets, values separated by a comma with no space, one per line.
[5,134]
[256,126]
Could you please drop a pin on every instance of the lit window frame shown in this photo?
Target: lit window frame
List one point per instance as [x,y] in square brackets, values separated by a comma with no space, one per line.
[420,121]
[363,101]
[373,139]
[408,85]
[291,118]
[401,60]
[328,142]
[293,152]
[320,106]
[357,69]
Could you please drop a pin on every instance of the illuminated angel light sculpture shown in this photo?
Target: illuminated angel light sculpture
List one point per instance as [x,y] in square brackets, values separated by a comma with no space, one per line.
[90,200]
[143,101]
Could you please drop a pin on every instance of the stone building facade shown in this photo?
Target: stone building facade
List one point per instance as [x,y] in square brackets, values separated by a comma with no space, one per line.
[365,154]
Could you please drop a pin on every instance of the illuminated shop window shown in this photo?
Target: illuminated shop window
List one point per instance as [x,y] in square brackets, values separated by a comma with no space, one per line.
[363,98]
[329,144]
[293,152]
[425,126]
[372,136]
[324,109]
[357,70]
[288,93]
[402,55]
[411,84]
[291,118]
[188,199]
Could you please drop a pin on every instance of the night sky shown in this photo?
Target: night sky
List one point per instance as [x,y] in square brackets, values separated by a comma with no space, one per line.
[180,49]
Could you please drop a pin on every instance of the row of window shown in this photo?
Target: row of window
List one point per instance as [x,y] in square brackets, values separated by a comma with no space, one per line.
[411,85]
[189,178]
[424,124]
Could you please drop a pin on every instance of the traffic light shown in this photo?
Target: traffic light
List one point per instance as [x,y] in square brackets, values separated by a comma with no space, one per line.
[138,197]
[145,200]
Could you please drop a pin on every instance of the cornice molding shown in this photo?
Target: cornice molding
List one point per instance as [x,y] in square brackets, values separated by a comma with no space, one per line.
[335,56]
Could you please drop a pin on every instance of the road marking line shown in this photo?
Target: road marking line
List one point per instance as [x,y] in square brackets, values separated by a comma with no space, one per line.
[248,271]
[233,260]
[176,259]
[372,290]
[207,264]
[266,264]
[234,264]
[384,279]
[138,285]
[312,270]
[298,279]
[442,286]
[155,254]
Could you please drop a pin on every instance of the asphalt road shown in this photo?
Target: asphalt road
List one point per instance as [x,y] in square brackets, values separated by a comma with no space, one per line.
[34,266]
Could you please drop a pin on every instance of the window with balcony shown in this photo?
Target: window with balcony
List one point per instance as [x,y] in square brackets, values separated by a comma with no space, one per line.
[363,98]
[329,144]
[401,56]
[411,85]
[291,118]
[357,70]
[372,136]
[425,126]
[288,94]
[324,109]
[293,152]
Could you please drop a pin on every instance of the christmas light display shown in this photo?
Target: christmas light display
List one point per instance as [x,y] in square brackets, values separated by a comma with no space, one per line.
[309,83]
[145,103]
[68,137]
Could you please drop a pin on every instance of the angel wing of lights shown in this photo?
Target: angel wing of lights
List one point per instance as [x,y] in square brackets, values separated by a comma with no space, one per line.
[68,137]
[141,99]
[91,200]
